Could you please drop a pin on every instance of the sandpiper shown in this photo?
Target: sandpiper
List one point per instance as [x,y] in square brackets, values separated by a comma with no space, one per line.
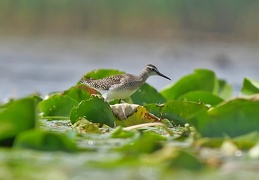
[122,86]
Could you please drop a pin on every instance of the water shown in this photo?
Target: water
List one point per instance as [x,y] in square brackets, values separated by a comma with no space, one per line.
[45,65]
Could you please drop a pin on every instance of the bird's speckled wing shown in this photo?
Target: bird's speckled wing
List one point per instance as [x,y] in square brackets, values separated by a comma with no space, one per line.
[105,83]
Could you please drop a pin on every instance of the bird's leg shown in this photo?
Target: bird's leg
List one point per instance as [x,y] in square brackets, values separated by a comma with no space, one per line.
[129,100]
[126,100]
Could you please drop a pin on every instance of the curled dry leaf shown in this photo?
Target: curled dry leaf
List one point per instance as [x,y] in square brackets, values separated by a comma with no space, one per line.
[131,114]
[255,97]
[122,111]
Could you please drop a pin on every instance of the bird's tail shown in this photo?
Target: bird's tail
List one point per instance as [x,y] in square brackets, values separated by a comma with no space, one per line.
[84,80]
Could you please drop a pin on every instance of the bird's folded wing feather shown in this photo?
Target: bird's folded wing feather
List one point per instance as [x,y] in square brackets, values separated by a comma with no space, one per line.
[113,81]
[105,83]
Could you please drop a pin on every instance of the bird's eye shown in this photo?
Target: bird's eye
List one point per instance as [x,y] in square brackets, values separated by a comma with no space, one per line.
[153,69]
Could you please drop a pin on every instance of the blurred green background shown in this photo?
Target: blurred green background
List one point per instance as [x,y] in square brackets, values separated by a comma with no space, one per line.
[231,20]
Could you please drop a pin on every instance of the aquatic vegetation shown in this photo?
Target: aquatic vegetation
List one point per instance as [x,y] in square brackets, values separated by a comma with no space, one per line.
[194,125]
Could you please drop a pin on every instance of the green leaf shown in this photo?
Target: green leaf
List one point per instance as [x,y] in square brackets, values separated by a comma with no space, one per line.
[102,73]
[247,141]
[180,112]
[146,94]
[60,105]
[36,97]
[250,87]
[15,117]
[147,142]
[118,132]
[209,142]
[200,80]
[185,160]
[93,109]
[201,96]
[225,90]
[77,93]
[45,141]
[233,118]
[57,105]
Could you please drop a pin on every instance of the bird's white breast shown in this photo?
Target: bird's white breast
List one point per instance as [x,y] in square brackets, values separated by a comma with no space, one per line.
[111,95]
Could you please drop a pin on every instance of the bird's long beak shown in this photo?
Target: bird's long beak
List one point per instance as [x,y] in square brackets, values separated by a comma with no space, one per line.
[160,74]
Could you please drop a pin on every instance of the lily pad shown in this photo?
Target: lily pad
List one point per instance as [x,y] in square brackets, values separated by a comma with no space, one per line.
[201,96]
[16,117]
[57,105]
[94,109]
[146,94]
[209,142]
[180,112]
[45,141]
[147,142]
[250,86]
[225,90]
[60,104]
[247,141]
[77,93]
[186,160]
[200,80]
[233,118]
[118,132]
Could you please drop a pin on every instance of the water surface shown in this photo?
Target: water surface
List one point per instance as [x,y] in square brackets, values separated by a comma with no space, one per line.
[45,65]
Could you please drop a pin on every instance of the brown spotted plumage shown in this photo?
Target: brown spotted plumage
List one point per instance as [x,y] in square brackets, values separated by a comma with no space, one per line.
[122,86]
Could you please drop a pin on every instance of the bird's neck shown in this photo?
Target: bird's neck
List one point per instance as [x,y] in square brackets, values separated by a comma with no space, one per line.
[144,75]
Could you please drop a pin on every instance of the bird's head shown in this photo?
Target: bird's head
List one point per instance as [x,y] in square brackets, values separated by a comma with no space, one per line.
[152,70]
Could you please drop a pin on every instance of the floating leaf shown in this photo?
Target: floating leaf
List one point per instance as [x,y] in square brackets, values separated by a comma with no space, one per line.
[232,118]
[57,105]
[200,80]
[247,141]
[45,141]
[186,160]
[209,142]
[118,132]
[146,94]
[37,97]
[16,116]
[180,112]
[60,104]
[250,86]
[77,93]
[93,109]
[225,90]
[201,96]
[147,142]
